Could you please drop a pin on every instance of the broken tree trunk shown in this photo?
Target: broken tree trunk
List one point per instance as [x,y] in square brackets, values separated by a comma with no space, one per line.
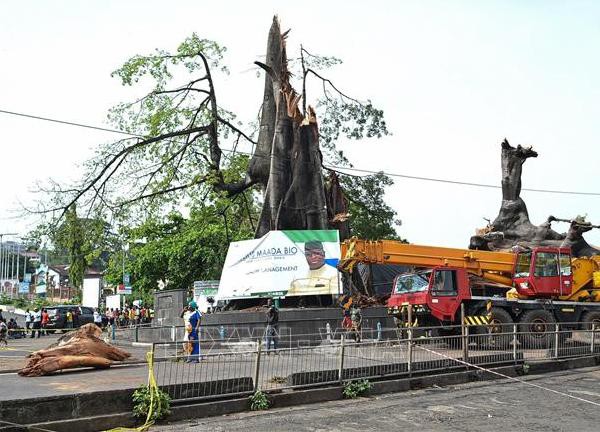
[294,193]
[512,226]
[337,206]
[80,348]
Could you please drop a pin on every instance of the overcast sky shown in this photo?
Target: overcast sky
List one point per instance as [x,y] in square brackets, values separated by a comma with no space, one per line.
[453,77]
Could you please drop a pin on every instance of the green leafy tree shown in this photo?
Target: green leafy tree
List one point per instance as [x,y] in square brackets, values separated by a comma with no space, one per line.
[71,237]
[371,218]
[179,250]
[183,140]
[78,242]
[183,153]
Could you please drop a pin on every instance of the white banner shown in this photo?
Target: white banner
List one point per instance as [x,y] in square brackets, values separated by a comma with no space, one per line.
[90,295]
[282,263]
[113,301]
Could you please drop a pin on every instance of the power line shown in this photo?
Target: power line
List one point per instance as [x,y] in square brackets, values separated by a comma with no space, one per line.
[69,123]
[341,168]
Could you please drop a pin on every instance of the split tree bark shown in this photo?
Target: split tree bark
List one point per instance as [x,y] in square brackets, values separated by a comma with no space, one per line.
[287,161]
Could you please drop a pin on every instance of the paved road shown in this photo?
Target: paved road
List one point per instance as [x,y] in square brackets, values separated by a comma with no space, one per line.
[483,406]
[13,386]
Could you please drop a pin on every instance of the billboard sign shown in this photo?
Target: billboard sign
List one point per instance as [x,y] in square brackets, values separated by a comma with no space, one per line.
[206,288]
[24,288]
[40,279]
[282,263]
[123,289]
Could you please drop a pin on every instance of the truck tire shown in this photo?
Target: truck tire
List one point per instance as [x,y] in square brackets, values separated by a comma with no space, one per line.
[590,318]
[497,334]
[536,329]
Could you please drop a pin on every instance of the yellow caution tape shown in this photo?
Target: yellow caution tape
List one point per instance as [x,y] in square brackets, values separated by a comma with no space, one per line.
[153,399]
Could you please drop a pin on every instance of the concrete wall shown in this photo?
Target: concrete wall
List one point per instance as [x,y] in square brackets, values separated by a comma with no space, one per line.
[296,326]
[168,305]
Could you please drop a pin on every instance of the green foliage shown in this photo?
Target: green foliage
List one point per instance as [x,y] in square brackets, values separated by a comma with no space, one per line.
[370,217]
[18,302]
[357,388]
[343,117]
[160,406]
[181,250]
[77,241]
[259,401]
[350,119]
[159,66]
[38,302]
[72,239]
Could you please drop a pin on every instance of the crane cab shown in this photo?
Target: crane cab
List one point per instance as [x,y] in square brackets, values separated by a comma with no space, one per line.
[435,295]
[543,272]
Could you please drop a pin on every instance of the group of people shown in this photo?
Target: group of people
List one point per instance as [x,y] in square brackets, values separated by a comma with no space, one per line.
[36,322]
[129,316]
[351,323]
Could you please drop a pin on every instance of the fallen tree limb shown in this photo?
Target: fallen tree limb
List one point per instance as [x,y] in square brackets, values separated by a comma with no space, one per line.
[81,348]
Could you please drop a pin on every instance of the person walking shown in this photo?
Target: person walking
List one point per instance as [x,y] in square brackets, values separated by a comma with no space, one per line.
[109,316]
[356,317]
[69,319]
[271,332]
[45,321]
[131,317]
[37,323]
[3,332]
[76,316]
[97,318]
[194,336]
[187,329]
[27,321]
[12,329]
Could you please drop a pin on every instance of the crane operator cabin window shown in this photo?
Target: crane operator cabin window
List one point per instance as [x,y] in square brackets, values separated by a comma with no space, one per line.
[444,283]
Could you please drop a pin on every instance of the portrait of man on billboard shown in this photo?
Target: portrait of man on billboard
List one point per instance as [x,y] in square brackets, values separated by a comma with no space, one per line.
[321,278]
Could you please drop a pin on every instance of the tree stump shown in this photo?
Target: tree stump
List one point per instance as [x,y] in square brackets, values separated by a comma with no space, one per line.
[512,226]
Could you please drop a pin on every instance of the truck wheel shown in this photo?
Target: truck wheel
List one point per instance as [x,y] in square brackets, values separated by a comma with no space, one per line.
[536,329]
[497,334]
[591,318]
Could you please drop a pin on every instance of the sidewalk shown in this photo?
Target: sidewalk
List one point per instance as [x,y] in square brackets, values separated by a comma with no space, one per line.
[68,382]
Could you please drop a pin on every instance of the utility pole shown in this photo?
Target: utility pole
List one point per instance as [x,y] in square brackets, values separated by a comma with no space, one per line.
[3,257]
[12,262]
[18,259]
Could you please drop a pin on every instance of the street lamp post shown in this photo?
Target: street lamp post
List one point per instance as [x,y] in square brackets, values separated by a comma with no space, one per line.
[3,258]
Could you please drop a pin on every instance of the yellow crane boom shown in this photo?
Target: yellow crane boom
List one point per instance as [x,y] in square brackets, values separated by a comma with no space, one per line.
[494,266]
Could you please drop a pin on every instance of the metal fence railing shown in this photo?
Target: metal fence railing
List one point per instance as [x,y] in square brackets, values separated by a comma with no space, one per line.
[243,366]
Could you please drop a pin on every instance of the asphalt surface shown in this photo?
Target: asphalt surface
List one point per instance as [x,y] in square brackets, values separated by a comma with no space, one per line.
[482,406]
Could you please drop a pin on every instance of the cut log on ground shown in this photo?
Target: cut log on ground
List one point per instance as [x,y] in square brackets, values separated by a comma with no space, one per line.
[81,348]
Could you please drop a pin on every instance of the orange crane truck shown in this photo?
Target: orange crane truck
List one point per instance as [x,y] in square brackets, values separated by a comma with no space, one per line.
[534,288]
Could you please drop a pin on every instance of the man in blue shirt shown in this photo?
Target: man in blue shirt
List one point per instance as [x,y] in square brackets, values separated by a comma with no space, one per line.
[194,336]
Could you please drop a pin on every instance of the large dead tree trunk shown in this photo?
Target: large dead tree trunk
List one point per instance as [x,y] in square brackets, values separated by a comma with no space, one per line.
[512,225]
[294,192]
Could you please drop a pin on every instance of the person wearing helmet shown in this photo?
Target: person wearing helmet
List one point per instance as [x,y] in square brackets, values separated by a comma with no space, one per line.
[194,335]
